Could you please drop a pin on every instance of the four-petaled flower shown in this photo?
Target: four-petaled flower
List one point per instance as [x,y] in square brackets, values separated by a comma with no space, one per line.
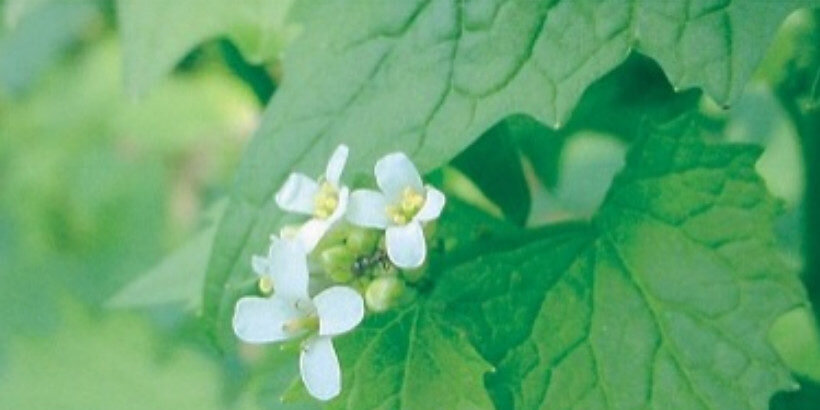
[401,208]
[324,199]
[290,313]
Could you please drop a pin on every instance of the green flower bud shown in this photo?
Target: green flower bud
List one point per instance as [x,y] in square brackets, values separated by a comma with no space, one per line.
[361,284]
[334,237]
[337,262]
[383,293]
[362,241]
[265,285]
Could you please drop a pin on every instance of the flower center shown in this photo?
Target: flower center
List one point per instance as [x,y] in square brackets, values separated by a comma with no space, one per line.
[302,324]
[408,206]
[325,201]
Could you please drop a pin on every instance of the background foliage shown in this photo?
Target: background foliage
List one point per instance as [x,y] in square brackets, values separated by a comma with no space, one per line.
[123,124]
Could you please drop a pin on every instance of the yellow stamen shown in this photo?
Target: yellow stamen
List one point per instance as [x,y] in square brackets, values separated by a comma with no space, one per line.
[326,201]
[409,205]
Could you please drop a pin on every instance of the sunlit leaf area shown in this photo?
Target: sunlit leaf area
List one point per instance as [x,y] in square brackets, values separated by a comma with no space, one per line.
[409,205]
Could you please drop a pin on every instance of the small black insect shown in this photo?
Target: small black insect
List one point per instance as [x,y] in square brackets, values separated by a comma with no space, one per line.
[362,264]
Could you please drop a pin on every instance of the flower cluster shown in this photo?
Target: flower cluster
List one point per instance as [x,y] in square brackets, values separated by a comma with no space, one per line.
[357,249]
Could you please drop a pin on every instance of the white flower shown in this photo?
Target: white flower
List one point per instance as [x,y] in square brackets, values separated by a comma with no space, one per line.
[290,313]
[401,207]
[324,199]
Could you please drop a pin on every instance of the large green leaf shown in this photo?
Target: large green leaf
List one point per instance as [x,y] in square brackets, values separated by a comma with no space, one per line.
[410,360]
[666,303]
[157,34]
[427,77]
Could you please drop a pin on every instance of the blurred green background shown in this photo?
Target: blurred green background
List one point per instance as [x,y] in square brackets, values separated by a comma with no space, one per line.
[108,202]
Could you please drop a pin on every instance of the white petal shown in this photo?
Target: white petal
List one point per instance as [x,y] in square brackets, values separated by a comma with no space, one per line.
[260,265]
[406,246]
[340,309]
[262,320]
[336,165]
[341,206]
[298,194]
[312,231]
[433,204]
[320,370]
[394,173]
[367,208]
[288,269]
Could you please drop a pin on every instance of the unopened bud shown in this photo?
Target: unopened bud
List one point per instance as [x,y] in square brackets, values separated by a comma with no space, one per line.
[337,262]
[362,241]
[265,285]
[383,293]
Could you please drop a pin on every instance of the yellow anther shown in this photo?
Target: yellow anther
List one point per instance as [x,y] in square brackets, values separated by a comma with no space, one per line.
[266,285]
[330,202]
[411,200]
[408,206]
[396,214]
[325,201]
[321,213]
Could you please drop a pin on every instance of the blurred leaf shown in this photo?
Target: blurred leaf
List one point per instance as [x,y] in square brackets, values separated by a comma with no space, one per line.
[428,77]
[794,71]
[455,184]
[177,279]
[540,144]
[107,364]
[494,165]
[15,10]
[40,31]
[586,167]
[95,188]
[758,118]
[157,34]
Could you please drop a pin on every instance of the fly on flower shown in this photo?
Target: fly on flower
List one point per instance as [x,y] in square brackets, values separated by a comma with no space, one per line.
[401,208]
[290,314]
[324,199]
